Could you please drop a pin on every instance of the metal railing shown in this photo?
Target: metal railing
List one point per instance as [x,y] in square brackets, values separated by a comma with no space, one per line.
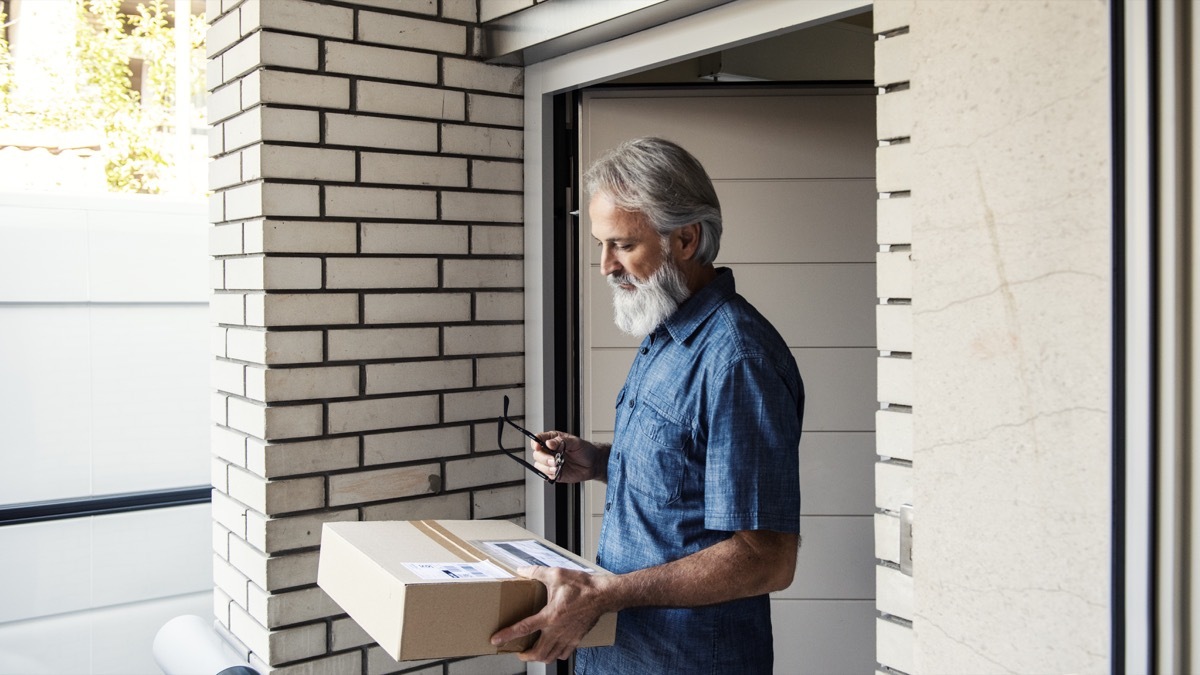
[78,507]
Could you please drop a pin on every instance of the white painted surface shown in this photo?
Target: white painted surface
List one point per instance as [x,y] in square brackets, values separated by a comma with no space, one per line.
[46,568]
[836,473]
[134,248]
[836,562]
[64,566]
[103,389]
[103,357]
[108,641]
[829,627]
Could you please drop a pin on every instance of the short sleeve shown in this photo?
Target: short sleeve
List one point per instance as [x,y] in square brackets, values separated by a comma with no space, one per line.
[752,472]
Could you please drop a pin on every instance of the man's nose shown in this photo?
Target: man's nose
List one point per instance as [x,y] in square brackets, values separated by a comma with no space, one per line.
[608,262]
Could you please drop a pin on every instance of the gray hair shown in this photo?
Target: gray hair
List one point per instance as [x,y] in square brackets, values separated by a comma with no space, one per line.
[664,182]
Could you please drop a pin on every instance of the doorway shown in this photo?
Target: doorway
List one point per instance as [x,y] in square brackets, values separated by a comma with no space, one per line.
[794,169]
[825,622]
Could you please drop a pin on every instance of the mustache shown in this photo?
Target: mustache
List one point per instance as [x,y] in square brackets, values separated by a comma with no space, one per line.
[618,280]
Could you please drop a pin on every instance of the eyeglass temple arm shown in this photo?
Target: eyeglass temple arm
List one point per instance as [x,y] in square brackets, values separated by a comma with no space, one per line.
[525,432]
[523,462]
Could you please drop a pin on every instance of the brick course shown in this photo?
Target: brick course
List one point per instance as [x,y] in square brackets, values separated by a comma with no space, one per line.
[368,301]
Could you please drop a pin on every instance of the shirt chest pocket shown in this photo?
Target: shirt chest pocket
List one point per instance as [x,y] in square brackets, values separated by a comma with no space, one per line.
[656,454]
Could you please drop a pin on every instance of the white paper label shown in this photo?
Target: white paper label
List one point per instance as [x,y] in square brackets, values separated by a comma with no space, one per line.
[523,552]
[458,571]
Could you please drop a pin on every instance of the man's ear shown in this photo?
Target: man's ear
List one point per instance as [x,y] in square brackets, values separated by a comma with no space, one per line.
[688,237]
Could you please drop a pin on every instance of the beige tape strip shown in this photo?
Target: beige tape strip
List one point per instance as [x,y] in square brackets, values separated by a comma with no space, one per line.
[518,597]
[449,540]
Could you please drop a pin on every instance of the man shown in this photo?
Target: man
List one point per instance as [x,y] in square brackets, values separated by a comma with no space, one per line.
[702,506]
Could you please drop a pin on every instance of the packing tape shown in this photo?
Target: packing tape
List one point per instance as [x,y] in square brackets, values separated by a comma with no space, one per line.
[519,593]
[449,541]
[513,592]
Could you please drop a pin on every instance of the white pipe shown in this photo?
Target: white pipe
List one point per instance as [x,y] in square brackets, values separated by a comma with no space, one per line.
[188,645]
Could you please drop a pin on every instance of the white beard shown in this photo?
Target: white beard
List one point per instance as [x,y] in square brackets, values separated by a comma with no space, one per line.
[640,311]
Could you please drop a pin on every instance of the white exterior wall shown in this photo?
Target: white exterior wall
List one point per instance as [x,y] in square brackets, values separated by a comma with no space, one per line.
[1011,245]
[102,374]
[368,281]
[102,366]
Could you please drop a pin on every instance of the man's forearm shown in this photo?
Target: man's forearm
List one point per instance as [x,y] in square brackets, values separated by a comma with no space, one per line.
[749,563]
[745,565]
[600,465]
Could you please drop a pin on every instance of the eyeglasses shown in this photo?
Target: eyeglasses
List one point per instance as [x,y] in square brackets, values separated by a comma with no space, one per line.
[558,456]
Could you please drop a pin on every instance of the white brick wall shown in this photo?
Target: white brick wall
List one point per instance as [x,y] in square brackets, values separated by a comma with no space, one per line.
[417,307]
[382,343]
[893,322]
[271,86]
[414,170]
[297,16]
[273,348]
[392,378]
[415,445]
[468,74]
[380,132]
[498,110]
[403,31]
[402,99]
[499,306]
[413,238]
[370,202]
[373,486]
[476,206]
[497,175]
[367,282]
[381,272]
[382,62]
[272,535]
[454,505]
[284,236]
[487,141]
[286,459]
[382,413]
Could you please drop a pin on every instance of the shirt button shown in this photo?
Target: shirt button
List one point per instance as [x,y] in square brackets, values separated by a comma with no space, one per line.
[645,350]
[631,401]
[608,506]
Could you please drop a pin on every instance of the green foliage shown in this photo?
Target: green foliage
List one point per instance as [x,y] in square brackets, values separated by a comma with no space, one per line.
[107,41]
[137,126]
[6,82]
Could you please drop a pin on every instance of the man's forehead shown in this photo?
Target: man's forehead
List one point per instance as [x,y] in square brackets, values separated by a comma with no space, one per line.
[610,222]
[630,230]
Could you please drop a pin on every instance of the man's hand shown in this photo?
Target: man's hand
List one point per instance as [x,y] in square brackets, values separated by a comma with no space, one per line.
[574,603]
[746,564]
[581,460]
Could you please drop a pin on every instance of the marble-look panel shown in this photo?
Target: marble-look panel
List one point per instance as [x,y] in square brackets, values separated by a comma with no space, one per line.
[1011,350]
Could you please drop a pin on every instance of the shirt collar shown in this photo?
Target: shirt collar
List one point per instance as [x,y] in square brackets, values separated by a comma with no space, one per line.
[694,311]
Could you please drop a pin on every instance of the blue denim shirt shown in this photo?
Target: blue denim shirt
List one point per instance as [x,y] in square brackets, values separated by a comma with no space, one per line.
[706,444]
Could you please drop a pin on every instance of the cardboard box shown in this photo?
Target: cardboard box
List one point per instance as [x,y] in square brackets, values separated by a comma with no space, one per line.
[427,589]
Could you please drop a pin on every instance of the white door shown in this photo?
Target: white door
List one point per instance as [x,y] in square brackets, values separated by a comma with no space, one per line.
[794,169]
